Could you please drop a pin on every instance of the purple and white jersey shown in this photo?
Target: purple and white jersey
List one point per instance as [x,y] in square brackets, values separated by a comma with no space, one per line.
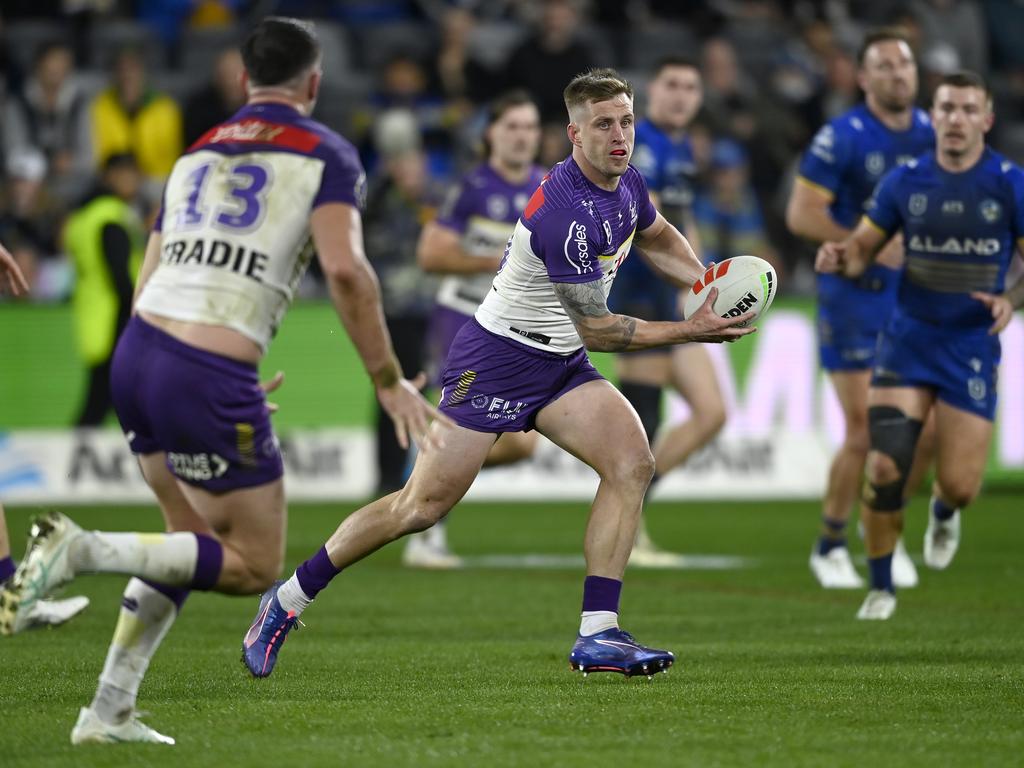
[235,218]
[483,209]
[572,231]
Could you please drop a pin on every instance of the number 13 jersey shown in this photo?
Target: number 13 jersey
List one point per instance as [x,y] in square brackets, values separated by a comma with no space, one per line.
[235,218]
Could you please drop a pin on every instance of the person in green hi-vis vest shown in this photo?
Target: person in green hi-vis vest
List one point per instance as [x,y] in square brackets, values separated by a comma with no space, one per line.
[106,240]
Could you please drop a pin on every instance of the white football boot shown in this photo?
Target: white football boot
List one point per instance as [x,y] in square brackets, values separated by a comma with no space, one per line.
[835,570]
[427,549]
[47,613]
[91,730]
[44,569]
[904,574]
[647,554]
[879,605]
[941,541]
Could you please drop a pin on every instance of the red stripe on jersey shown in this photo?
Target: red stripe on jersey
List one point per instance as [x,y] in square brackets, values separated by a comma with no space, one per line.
[722,269]
[536,201]
[259,132]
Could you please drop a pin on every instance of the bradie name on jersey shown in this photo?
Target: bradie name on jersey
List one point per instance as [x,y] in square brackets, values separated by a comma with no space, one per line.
[216,253]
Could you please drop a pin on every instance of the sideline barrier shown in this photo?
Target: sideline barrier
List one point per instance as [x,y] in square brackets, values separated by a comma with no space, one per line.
[784,420]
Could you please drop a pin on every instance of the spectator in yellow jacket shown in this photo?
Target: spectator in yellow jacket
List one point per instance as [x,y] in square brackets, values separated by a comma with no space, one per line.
[131,117]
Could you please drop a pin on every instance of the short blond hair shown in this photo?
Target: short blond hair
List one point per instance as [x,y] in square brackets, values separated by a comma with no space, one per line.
[595,85]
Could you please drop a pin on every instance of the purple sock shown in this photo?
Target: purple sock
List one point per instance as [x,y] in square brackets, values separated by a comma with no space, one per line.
[7,568]
[316,573]
[209,561]
[601,594]
[176,595]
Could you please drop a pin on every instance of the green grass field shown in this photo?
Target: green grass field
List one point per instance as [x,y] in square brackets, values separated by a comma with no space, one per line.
[405,668]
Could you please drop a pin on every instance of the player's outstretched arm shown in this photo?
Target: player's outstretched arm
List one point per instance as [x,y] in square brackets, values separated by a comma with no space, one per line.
[1001,306]
[850,257]
[338,237]
[440,251]
[9,268]
[603,331]
[670,253]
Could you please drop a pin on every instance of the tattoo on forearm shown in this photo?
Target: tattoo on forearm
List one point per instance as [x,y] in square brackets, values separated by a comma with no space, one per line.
[585,302]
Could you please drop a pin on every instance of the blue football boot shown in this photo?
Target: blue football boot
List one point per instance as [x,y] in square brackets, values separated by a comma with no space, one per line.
[615,650]
[267,634]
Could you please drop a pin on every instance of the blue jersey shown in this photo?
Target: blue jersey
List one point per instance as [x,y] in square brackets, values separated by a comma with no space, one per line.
[850,155]
[846,160]
[666,164]
[960,231]
[668,167]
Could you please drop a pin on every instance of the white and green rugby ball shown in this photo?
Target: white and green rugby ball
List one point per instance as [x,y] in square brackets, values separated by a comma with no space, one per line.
[744,283]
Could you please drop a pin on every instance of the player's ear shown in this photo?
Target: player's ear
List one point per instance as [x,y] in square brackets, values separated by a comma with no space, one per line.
[573,131]
[313,84]
[246,83]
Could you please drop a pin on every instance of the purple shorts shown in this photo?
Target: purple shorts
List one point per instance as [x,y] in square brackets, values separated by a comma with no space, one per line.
[445,324]
[494,384]
[205,411]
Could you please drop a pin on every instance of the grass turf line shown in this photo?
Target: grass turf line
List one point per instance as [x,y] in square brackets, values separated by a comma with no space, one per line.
[408,668]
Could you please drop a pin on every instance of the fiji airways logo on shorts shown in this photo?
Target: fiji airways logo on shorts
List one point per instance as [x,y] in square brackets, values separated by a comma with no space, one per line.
[577,249]
[499,408]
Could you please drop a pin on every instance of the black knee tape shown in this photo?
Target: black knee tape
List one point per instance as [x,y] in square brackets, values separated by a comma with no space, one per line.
[646,401]
[894,435]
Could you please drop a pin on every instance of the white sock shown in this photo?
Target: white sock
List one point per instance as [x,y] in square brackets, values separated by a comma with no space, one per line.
[291,596]
[166,558]
[437,535]
[643,538]
[592,622]
[140,628]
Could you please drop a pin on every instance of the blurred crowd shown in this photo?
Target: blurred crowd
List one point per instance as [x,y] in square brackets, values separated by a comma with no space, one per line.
[87,85]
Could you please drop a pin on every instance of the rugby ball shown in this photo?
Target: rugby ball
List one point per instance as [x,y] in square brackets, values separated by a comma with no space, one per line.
[744,283]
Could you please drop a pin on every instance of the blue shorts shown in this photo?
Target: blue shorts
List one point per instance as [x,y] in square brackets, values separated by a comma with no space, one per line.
[494,384]
[851,314]
[638,291]
[205,411]
[959,366]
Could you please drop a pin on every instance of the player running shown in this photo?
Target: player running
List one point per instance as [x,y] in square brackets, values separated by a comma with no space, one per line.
[665,158]
[41,613]
[837,174]
[961,212]
[521,364]
[220,271]
[465,244]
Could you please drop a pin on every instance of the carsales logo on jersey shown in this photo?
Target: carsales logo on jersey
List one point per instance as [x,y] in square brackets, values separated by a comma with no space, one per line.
[577,249]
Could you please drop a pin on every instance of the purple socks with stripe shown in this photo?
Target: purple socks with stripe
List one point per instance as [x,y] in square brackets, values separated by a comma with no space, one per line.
[316,573]
[209,561]
[601,594]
